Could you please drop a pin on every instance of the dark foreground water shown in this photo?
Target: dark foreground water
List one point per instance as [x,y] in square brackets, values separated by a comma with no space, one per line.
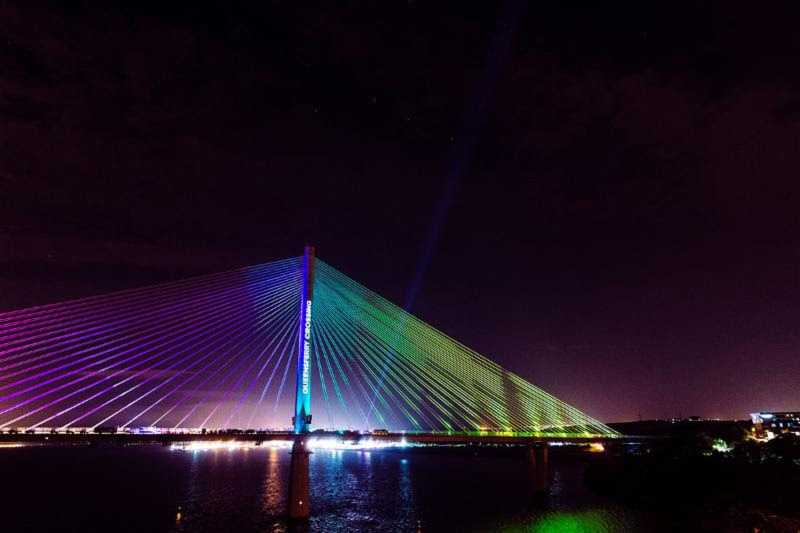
[154,488]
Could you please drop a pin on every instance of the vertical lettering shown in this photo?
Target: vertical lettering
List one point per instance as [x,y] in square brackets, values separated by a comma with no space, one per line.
[306,346]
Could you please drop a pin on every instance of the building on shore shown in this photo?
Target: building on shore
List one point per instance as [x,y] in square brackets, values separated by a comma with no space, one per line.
[767,425]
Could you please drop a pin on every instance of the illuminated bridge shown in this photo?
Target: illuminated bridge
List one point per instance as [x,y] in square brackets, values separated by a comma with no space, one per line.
[249,349]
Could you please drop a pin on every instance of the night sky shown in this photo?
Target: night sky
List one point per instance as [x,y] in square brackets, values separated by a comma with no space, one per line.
[602,199]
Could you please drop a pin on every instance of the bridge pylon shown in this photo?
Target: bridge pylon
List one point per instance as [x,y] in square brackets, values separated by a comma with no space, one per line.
[298,501]
[302,414]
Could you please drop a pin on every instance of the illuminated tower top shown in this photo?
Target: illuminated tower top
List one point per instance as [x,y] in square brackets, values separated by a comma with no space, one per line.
[302,412]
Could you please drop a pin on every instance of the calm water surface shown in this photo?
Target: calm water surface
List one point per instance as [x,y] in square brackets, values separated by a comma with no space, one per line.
[154,488]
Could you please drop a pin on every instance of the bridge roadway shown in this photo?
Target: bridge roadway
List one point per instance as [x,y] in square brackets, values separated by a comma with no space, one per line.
[243,436]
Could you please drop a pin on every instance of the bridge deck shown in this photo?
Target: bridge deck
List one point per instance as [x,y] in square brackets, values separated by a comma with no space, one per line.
[410,438]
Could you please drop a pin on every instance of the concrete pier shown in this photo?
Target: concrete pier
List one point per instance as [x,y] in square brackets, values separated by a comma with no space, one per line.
[540,467]
[299,503]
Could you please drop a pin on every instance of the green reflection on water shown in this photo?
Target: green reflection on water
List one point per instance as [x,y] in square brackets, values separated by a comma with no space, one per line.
[569,522]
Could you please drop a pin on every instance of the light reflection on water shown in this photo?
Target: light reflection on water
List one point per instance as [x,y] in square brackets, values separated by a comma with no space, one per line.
[274,485]
[361,490]
[151,488]
[591,521]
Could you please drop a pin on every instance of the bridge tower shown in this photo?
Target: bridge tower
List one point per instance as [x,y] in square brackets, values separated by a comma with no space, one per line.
[302,409]
[298,502]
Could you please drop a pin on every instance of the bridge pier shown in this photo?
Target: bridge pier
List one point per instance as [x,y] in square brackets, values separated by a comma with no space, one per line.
[538,454]
[299,503]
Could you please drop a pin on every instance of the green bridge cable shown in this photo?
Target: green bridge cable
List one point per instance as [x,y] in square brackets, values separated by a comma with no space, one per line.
[401,364]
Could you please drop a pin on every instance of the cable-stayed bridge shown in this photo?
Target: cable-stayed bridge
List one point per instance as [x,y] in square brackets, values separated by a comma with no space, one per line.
[251,348]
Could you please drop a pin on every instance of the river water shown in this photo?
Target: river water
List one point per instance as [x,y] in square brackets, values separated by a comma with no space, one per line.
[153,488]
